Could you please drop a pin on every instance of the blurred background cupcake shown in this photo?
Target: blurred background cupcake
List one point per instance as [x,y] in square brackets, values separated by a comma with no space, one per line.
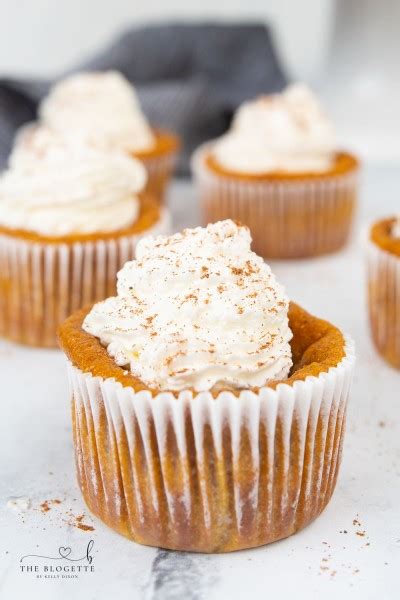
[66,227]
[279,171]
[100,111]
[383,254]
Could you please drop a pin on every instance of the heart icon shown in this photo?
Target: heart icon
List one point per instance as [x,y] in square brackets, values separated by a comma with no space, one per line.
[64,552]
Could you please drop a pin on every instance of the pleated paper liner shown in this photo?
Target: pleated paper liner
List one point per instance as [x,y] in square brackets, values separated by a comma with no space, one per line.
[42,283]
[384,302]
[160,164]
[209,474]
[287,218]
[159,172]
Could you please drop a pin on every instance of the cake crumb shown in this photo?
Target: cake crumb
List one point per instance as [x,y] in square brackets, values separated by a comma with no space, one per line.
[19,503]
[77,521]
[46,505]
[84,527]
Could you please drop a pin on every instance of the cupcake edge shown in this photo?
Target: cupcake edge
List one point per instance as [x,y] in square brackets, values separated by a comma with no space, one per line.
[383,286]
[209,474]
[293,217]
[42,282]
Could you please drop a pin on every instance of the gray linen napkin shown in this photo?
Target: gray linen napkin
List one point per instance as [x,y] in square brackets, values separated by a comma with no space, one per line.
[189,78]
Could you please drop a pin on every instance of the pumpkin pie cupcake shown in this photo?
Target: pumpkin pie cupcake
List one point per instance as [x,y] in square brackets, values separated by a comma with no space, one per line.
[101,111]
[209,416]
[66,229]
[383,253]
[279,171]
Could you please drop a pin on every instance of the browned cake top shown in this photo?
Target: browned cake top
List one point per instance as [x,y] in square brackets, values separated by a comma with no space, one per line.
[381,235]
[148,216]
[165,142]
[316,347]
[343,163]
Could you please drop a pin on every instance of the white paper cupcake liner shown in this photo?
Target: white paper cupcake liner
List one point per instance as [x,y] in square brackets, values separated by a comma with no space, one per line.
[383,270]
[159,171]
[209,474]
[287,219]
[41,284]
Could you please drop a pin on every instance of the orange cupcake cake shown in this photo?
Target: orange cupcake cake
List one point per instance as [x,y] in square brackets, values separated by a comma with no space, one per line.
[278,170]
[384,288]
[100,111]
[210,416]
[66,228]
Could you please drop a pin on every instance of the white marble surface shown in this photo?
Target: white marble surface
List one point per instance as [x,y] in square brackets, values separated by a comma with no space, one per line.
[36,462]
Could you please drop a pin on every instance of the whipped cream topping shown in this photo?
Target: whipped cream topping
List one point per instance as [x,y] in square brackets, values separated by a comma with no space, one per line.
[197,309]
[396,229]
[35,143]
[72,193]
[281,132]
[98,109]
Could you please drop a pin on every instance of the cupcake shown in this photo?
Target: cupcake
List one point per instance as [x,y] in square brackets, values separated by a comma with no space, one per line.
[383,254]
[101,111]
[209,416]
[65,231]
[278,170]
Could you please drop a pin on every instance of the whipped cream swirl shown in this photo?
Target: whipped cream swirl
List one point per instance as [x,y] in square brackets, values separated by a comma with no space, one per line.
[97,109]
[196,310]
[34,144]
[283,132]
[396,229]
[72,193]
